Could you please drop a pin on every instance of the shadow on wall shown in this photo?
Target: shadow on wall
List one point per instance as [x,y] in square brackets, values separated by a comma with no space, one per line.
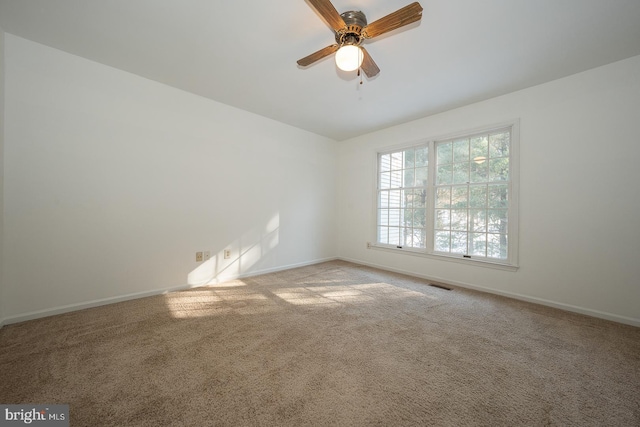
[245,253]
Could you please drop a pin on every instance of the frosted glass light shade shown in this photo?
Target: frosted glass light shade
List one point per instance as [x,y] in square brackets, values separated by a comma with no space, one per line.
[349,57]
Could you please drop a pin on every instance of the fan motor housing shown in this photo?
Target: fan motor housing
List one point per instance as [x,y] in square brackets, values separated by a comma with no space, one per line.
[355,21]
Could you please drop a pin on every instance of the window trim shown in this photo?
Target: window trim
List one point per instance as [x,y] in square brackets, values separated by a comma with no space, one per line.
[512,261]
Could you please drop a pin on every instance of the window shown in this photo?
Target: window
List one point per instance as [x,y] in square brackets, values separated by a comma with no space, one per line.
[451,197]
[402,198]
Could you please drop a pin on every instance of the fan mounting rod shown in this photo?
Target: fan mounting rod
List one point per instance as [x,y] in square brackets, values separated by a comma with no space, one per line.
[351,34]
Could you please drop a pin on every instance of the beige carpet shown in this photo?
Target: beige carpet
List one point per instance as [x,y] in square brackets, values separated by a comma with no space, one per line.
[330,344]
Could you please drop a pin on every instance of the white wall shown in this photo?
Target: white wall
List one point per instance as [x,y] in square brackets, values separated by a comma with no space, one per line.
[2,301]
[113,182]
[579,193]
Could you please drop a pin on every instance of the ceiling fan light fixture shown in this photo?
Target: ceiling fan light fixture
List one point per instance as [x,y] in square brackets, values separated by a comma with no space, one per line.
[351,29]
[349,57]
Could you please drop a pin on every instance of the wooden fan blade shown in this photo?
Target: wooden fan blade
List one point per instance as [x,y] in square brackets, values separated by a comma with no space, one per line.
[316,56]
[329,13]
[393,21]
[368,66]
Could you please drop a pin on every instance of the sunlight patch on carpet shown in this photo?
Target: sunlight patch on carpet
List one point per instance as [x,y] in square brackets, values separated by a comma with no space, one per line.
[246,297]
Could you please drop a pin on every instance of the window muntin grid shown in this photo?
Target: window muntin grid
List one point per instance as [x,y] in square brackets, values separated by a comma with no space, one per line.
[402,195]
[472,195]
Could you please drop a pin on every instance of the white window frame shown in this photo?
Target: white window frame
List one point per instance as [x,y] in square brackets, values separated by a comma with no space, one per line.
[511,262]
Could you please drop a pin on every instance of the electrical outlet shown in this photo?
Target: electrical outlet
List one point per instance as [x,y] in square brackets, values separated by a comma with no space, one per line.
[368,245]
[227,254]
[207,255]
[198,256]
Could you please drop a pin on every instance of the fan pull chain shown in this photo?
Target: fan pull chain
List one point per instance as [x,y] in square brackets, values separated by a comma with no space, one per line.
[360,53]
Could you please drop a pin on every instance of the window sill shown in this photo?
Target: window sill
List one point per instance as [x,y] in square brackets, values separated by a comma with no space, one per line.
[449,258]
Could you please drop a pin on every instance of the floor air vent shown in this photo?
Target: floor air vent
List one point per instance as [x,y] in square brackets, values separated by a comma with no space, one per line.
[439,286]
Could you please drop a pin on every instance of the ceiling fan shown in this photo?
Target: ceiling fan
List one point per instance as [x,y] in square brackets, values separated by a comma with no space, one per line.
[351,29]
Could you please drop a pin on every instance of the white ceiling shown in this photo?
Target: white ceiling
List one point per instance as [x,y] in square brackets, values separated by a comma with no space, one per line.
[243,53]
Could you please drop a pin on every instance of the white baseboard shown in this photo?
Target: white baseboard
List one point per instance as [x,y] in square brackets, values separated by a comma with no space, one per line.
[567,307]
[111,300]
[104,301]
[227,277]
[88,304]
